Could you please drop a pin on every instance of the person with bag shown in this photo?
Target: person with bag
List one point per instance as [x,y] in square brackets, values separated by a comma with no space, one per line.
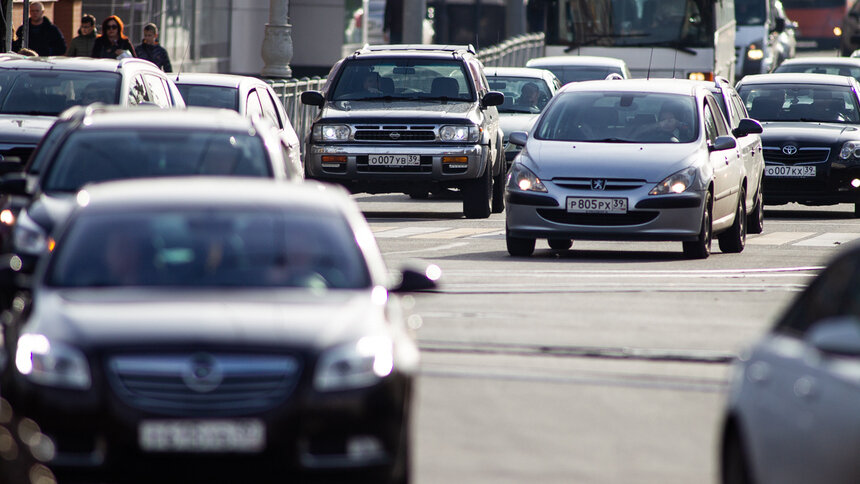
[112,43]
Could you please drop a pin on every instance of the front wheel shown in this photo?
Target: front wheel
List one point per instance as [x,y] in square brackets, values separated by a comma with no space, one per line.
[734,466]
[755,220]
[856,209]
[734,239]
[701,247]
[477,195]
[499,190]
[520,247]
[560,244]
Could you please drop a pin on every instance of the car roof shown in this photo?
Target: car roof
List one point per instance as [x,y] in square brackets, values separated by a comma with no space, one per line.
[518,72]
[8,61]
[453,52]
[668,86]
[140,117]
[221,192]
[575,60]
[796,78]
[219,80]
[819,60]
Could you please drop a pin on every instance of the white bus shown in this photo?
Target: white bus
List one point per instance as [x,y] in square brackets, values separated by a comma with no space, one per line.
[692,39]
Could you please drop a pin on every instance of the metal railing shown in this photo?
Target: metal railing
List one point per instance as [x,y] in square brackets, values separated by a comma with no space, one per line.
[514,52]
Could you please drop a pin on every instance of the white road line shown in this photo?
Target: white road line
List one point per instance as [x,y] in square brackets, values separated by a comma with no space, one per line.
[454,233]
[643,273]
[778,238]
[382,228]
[496,234]
[408,231]
[429,249]
[830,239]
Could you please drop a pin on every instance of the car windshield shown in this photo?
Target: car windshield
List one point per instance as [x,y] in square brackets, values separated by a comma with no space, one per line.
[822,68]
[801,102]
[211,247]
[50,92]
[210,96]
[522,94]
[750,12]
[580,73]
[620,117]
[114,154]
[403,79]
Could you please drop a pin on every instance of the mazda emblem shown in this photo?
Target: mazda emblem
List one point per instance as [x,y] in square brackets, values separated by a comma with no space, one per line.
[598,184]
[789,150]
[395,135]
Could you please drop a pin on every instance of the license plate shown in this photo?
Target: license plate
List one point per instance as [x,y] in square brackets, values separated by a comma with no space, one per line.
[394,160]
[202,436]
[596,205]
[805,171]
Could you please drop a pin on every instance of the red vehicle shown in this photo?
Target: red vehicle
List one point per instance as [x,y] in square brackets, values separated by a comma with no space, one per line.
[818,21]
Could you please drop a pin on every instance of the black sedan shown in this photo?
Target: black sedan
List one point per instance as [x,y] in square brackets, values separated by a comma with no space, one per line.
[234,324]
[811,136]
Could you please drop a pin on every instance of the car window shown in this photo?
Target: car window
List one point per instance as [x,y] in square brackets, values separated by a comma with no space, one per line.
[710,124]
[210,247]
[403,77]
[210,96]
[46,147]
[819,68]
[52,92]
[522,94]
[581,73]
[269,110]
[739,106]
[835,292]
[620,117]
[252,105]
[719,120]
[801,102]
[478,78]
[137,92]
[115,154]
[158,90]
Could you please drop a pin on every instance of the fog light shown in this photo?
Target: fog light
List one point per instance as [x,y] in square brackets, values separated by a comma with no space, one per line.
[455,159]
[333,159]
[837,31]
[855,183]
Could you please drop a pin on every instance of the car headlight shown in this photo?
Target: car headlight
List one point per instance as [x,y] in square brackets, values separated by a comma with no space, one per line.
[459,133]
[50,363]
[676,183]
[851,149]
[755,52]
[355,365]
[331,132]
[28,237]
[521,178]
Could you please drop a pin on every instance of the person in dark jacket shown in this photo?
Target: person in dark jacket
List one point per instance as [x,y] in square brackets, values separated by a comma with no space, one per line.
[82,45]
[44,37]
[151,51]
[112,43]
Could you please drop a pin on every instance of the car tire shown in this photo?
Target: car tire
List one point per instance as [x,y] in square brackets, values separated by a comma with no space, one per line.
[734,467]
[419,194]
[755,220]
[701,247]
[519,247]
[560,244]
[856,209]
[732,241]
[499,185]
[477,195]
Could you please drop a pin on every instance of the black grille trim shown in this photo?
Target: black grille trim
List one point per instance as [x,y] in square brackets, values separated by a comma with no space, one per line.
[597,219]
[803,155]
[611,184]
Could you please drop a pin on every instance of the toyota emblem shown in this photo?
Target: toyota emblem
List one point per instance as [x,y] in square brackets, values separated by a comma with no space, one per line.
[789,150]
[598,184]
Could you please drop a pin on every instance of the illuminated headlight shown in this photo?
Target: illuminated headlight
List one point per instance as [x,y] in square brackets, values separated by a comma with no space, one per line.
[754,52]
[28,237]
[676,183]
[851,149]
[355,365]
[521,178]
[331,132]
[51,364]
[458,133]
[7,217]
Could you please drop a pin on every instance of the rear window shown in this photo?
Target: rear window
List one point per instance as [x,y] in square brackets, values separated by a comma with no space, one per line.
[50,92]
[210,96]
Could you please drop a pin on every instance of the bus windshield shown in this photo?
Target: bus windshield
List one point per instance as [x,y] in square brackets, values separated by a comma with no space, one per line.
[646,23]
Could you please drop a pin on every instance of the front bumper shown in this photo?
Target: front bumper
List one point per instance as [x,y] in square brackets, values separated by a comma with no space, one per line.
[357,175]
[648,218]
[832,184]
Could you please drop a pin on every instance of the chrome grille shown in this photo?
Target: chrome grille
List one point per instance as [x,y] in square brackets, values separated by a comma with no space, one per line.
[232,385]
[610,184]
[395,133]
[803,155]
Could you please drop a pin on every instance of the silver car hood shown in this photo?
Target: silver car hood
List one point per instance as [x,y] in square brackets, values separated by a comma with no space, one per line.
[516,122]
[641,161]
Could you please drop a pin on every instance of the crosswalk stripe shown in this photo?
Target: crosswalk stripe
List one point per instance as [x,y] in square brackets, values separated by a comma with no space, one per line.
[381,228]
[454,233]
[830,239]
[778,238]
[408,232]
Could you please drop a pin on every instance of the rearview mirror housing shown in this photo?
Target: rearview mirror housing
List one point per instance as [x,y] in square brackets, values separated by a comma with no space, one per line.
[724,143]
[493,98]
[518,138]
[313,98]
[838,335]
[747,126]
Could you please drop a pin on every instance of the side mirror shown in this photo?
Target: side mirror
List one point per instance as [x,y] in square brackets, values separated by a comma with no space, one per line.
[518,138]
[838,335]
[724,143]
[747,126]
[412,280]
[313,98]
[493,98]
[10,167]
[14,184]
[779,25]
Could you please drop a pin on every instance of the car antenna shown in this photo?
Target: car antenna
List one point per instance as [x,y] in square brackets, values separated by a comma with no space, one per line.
[648,76]
[182,62]
[674,63]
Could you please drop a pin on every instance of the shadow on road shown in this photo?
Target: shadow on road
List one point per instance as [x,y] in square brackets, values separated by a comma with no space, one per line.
[551,256]
[771,214]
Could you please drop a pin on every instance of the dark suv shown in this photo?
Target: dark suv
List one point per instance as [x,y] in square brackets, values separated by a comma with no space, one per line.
[411,119]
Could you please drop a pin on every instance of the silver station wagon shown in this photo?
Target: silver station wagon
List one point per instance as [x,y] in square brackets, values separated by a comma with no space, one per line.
[630,160]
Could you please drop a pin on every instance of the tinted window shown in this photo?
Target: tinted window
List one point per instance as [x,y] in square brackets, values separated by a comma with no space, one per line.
[104,155]
[410,78]
[620,117]
[798,102]
[585,73]
[51,92]
[819,68]
[210,96]
[522,94]
[750,12]
[710,124]
[210,248]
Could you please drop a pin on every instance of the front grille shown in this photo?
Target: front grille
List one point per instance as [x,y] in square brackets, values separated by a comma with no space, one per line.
[803,155]
[235,385]
[362,166]
[609,184]
[19,153]
[395,133]
[597,219]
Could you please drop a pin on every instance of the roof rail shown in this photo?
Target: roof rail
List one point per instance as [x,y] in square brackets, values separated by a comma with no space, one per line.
[422,47]
[719,79]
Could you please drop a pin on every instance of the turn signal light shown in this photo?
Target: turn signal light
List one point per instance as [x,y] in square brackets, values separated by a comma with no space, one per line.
[333,159]
[455,159]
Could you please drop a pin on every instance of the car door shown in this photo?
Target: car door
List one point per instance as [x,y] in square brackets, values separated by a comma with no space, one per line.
[749,147]
[725,164]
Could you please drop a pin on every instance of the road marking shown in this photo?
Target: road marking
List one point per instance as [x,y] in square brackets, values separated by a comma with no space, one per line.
[830,239]
[408,231]
[778,238]
[431,249]
[496,234]
[381,228]
[645,273]
[454,233]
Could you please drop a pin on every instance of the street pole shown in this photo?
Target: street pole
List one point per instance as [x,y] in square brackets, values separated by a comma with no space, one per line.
[7,11]
[277,48]
[25,41]
[413,21]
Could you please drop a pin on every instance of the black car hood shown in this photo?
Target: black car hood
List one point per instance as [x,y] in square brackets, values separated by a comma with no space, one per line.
[397,111]
[22,129]
[111,317]
[49,210]
[808,133]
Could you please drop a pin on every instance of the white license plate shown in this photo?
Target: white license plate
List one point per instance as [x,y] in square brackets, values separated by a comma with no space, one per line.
[201,436]
[596,205]
[804,171]
[394,160]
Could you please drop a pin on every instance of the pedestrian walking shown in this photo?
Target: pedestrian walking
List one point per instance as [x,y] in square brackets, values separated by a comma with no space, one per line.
[82,45]
[112,43]
[151,51]
[44,37]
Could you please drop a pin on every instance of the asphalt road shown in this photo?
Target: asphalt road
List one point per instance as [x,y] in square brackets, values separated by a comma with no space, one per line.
[603,364]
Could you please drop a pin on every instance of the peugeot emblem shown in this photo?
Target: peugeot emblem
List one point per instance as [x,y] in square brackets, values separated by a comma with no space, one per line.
[394,135]
[202,373]
[597,184]
[789,150]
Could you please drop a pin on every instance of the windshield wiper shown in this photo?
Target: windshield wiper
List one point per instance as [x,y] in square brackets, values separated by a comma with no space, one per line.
[33,113]
[388,98]
[592,39]
[674,44]
[611,140]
